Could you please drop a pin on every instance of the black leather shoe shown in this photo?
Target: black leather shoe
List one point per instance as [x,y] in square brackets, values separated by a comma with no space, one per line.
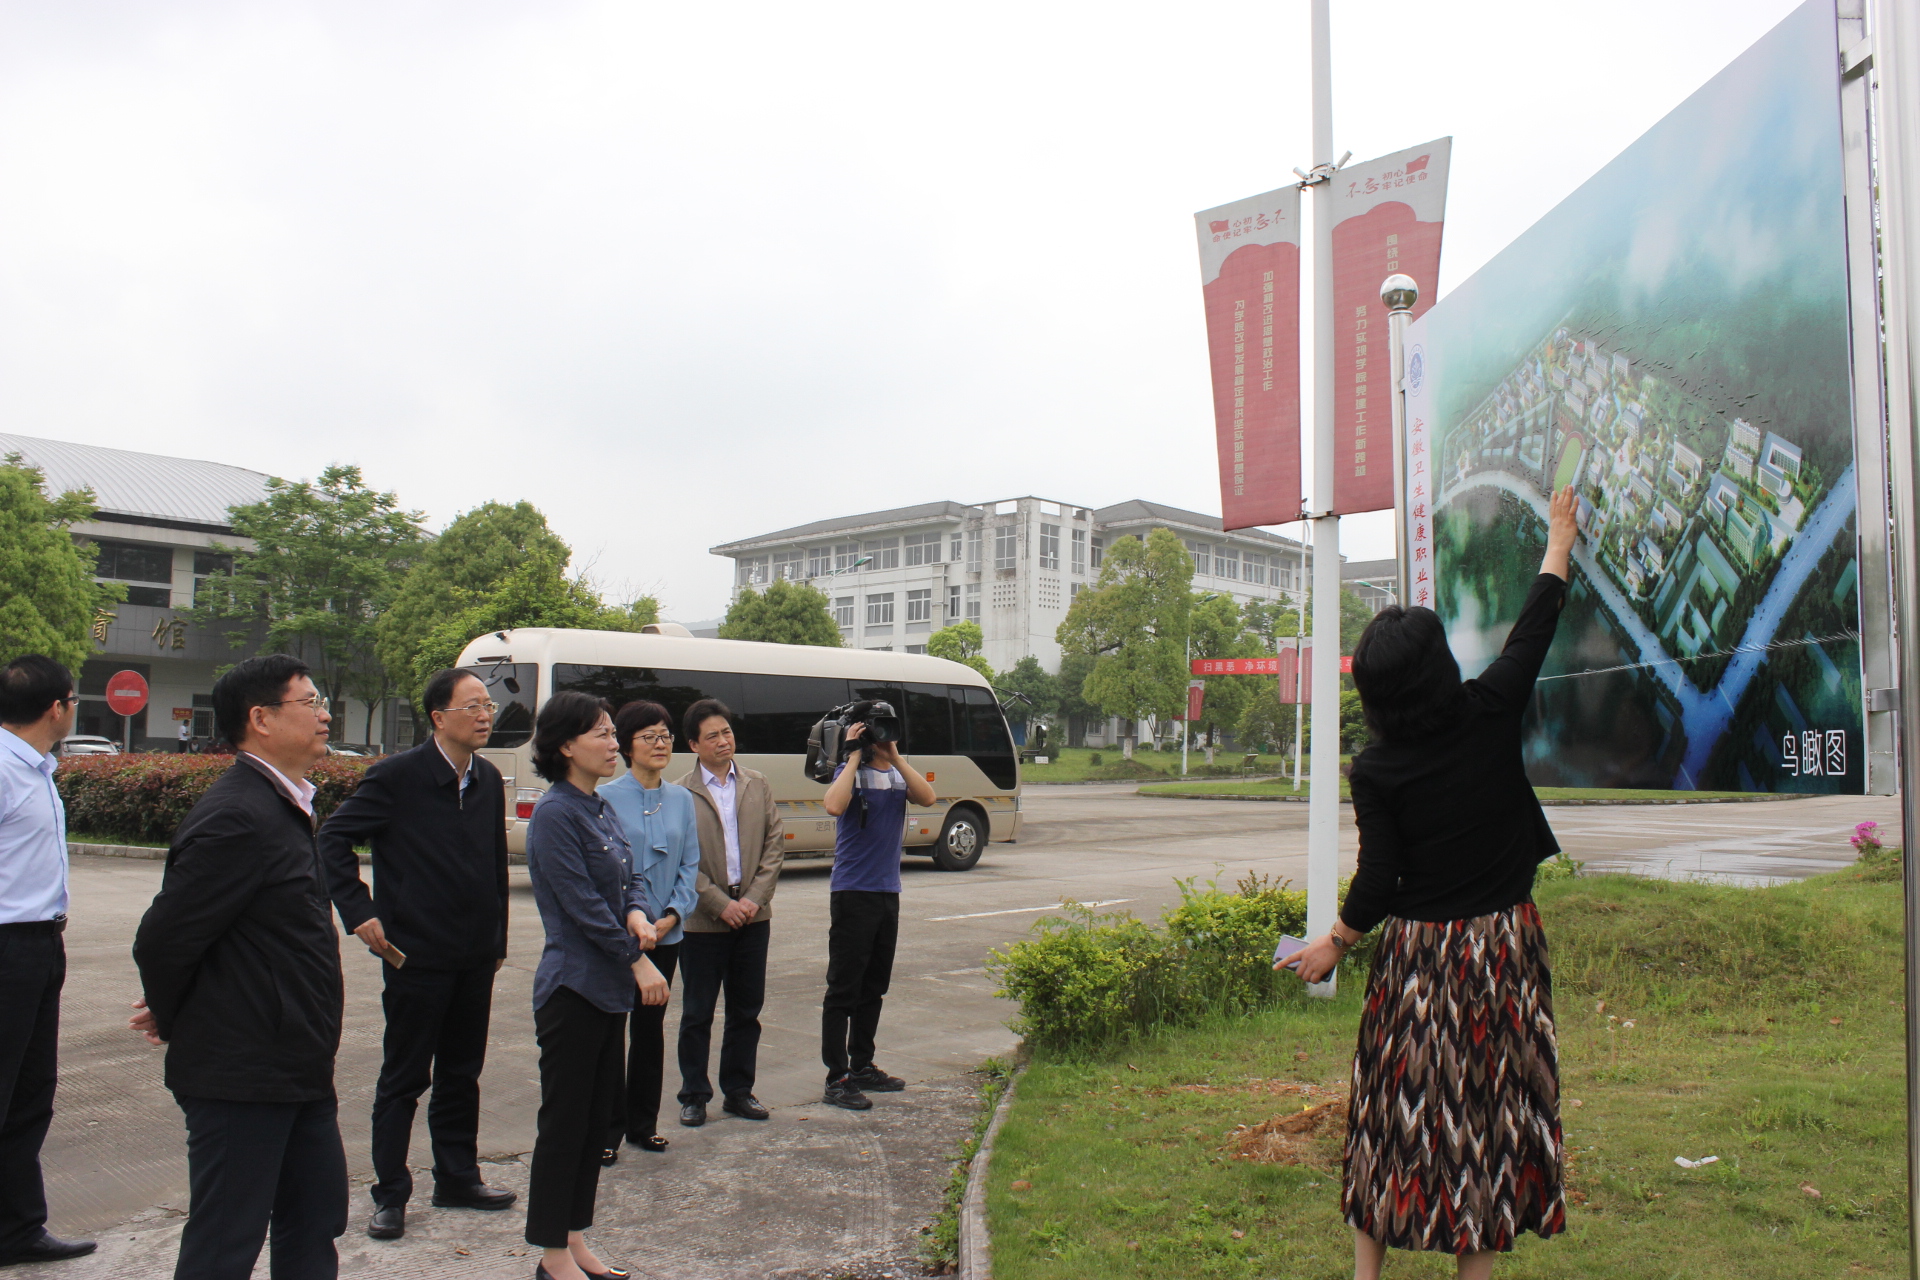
[872,1079]
[478,1196]
[48,1249]
[647,1142]
[693,1114]
[389,1222]
[746,1106]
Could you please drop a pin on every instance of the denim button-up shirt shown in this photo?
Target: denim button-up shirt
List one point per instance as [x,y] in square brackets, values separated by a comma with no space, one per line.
[665,843]
[578,859]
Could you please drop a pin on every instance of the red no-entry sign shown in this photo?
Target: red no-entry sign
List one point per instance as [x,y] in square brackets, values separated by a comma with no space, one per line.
[127,693]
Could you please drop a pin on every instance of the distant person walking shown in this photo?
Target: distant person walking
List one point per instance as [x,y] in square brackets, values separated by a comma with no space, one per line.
[185,736]
[665,853]
[868,798]
[240,965]
[436,819]
[599,928]
[725,948]
[37,706]
[1453,1131]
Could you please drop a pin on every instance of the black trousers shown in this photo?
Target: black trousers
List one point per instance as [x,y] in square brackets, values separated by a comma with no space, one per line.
[436,1034]
[864,929]
[639,1114]
[33,967]
[736,961]
[255,1165]
[580,1056]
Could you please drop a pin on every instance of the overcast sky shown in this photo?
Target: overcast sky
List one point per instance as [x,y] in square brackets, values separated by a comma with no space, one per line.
[681,274]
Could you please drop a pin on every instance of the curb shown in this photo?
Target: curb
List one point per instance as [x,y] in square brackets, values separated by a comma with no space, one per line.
[147,853]
[976,1247]
[1756,798]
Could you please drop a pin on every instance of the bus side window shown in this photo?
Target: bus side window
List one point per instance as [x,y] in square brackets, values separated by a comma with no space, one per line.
[929,724]
[675,690]
[988,743]
[776,712]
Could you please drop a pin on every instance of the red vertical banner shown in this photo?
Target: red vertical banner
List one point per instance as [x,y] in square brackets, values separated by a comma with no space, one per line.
[1196,698]
[1296,665]
[1388,215]
[1250,275]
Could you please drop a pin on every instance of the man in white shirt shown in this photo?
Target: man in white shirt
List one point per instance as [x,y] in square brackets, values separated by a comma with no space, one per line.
[725,943]
[37,706]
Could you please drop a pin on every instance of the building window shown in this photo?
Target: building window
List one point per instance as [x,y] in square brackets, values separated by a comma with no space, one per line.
[885,553]
[1256,567]
[844,554]
[920,605]
[209,564]
[753,570]
[788,565]
[1079,550]
[924,548]
[1226,563]
[1073,591]
[953,604]
[134,562]
[1098,553]
[880,609]
[916,648]
[1050,546]
[819,561]
[973,602]
[155,597]
[843,611]
[1202,555]
[973,551]
[1006,546]
[953,546]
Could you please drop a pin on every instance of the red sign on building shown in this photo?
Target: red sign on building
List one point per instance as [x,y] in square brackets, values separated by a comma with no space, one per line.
[1250,276]
[1388,215]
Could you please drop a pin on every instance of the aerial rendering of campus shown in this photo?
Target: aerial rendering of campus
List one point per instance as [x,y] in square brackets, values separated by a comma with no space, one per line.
[1672,340]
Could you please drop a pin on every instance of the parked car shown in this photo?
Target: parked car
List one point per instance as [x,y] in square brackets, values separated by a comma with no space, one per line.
[341,749]
[89,744]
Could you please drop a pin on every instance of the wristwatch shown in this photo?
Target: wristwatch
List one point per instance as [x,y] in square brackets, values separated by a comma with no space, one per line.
[1338,941]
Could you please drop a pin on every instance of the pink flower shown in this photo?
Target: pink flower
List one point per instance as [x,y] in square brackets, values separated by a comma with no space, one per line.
[1866,836]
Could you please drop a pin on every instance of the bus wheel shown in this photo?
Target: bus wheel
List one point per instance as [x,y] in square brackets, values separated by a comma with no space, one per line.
[961,841]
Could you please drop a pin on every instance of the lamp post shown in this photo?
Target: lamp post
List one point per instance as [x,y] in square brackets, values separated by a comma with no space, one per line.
[1399,293]
[1186,724]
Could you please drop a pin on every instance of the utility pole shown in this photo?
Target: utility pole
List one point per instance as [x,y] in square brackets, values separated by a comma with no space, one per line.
[1896,64]
[1323,801]
[1299,635]
[1399,293]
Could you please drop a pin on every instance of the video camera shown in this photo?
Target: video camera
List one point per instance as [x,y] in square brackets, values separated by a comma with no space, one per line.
[827,740]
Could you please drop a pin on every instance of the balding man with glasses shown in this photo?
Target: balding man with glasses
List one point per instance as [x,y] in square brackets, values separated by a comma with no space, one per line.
[436,820]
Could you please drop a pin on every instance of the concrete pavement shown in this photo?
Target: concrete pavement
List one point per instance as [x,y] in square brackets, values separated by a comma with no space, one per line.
[814,1189]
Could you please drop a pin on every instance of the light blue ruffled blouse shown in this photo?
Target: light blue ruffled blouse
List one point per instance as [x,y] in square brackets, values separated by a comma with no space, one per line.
[665,843]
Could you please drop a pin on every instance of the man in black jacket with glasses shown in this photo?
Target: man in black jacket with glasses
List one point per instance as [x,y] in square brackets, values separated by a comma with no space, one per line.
[436,819]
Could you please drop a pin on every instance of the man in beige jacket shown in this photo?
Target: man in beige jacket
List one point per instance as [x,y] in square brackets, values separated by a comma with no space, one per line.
[725,945]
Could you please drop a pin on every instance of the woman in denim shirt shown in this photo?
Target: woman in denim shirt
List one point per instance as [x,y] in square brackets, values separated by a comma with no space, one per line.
[598,925]
[658,819]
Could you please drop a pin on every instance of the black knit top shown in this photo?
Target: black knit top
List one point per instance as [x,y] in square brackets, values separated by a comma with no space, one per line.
[1449,825]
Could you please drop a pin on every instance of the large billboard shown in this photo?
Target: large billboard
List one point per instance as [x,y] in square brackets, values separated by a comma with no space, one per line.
[1387,218]
[1250,276]
[1672,340]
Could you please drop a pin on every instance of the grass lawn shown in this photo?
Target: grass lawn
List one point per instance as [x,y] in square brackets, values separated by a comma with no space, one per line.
[1548,795]
[1762,1026]
[1075,764]
[83,837]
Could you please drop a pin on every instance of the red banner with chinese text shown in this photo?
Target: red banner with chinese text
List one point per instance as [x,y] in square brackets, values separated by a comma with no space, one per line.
[1250,276]
[1196,698]
[1235,666]
[1388,215]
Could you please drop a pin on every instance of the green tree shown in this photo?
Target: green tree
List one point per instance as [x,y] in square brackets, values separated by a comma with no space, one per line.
[785,613]
[328,558]
[1074,670]
[1219,630]
[537,594]
[467,560]
[961,642]
[1041,691]
[1133,622]
[48,598]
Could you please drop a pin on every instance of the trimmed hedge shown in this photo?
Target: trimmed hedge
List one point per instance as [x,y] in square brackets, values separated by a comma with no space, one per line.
[146,796]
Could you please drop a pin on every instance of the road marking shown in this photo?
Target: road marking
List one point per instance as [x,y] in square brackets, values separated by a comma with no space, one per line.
[1020,911]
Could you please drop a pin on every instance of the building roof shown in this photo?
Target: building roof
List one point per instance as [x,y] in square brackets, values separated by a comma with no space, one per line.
[147,488]
[1138,510]
[899,515]
[1371,570]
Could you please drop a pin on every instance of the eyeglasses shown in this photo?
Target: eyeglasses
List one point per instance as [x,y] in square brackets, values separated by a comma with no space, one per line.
[316,703]
[491,707]
[654,739]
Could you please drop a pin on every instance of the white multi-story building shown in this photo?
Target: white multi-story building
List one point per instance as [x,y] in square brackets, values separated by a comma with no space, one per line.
[1014,566]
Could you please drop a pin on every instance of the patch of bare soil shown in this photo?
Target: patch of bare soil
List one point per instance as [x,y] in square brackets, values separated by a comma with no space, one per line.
[1311,1137]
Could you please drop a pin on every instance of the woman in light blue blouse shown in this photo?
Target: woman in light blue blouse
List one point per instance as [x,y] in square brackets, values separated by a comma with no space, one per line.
[658,817]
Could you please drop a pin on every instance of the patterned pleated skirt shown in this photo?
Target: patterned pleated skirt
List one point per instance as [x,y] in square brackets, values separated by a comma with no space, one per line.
[1453,1132]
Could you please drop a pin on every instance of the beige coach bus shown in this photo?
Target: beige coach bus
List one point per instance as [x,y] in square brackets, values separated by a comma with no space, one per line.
[952,726]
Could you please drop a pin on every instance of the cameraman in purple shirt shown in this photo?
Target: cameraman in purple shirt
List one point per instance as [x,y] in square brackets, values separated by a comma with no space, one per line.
[868,796]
